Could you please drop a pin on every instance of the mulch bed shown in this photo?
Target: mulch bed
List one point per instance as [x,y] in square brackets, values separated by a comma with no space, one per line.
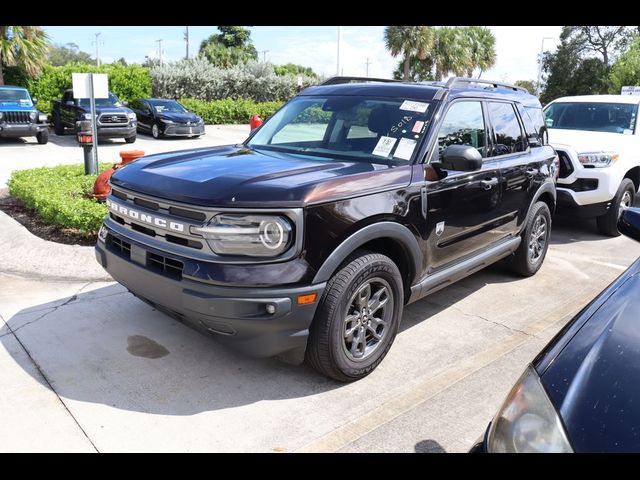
[27,217]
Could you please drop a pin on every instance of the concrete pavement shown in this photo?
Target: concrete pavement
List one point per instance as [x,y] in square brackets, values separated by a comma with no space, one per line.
[109,373]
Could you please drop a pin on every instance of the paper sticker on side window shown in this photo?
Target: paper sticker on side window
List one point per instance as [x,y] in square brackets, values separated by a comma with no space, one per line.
[412,106]
[384,146]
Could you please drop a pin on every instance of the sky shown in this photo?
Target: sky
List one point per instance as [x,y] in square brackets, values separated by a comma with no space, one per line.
[517,47]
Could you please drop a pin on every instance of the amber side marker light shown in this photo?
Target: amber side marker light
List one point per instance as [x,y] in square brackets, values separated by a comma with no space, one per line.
[306,299]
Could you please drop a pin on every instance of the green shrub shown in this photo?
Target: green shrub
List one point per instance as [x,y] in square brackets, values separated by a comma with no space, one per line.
[127,82]
[59,196]
[230,111]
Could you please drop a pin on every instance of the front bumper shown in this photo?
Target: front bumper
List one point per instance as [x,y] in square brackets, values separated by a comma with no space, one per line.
[21,129]
[182,130]
[235,315]
[567,204]
[117,132]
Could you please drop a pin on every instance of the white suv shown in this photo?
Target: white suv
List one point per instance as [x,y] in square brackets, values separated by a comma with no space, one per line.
[598,143]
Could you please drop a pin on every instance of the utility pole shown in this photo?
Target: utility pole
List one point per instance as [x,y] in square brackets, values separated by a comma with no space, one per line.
[264,55]
[186,39]
[98,48]
[160,50]
[540,65]
[339,40]
[367,63]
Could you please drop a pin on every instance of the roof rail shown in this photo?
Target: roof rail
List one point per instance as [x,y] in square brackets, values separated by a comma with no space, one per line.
[338,80]
[456,80]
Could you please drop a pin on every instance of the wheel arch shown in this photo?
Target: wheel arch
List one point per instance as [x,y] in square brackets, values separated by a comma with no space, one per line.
[547,194]
[634,175]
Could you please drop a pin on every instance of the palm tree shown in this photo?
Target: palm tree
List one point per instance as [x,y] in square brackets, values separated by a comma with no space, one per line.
[26,47]
[408,41]
[482,52]
[451,52]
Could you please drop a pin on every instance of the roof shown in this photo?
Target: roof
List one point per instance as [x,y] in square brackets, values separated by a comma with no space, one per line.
[632,99]
[12,87]
[159,99]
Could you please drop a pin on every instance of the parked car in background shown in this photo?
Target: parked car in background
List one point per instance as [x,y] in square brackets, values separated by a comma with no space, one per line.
[114,119]
[597,140]
[166,118]
[19,117]
[582,392]
[351,201]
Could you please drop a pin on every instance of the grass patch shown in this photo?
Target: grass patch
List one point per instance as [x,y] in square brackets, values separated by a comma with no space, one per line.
[60,196]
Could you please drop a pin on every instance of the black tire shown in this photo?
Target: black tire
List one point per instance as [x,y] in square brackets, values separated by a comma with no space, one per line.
[608,223]
[155,131]
[329,350]
[58,128]
[43,137]
[529,256]
[130,139]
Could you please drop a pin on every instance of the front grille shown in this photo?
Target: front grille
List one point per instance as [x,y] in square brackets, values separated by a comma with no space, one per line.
[118,246]
[566,167]
[119,194]
[166,266]
[107,118]
[16,117]
[181,212]
[146,204]
[582,185]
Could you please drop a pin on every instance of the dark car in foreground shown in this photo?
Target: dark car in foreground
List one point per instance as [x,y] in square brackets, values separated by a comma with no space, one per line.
[582,392]
[166,118]
[19,117]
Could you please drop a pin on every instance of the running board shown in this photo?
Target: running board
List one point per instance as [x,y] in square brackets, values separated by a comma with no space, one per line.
[434,282]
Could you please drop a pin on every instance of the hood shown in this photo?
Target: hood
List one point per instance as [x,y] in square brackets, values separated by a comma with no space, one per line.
[594,381]
[16,107]
[114,110]
[587,141]
[236,176]
[178,117]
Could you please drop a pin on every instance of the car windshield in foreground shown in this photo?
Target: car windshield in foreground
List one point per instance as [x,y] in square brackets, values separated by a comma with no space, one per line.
[18,95]
[357,128]
[112,101]
[595,117]
[166,106]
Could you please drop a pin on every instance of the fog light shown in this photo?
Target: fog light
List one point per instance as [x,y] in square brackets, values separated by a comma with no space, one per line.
[271,309]
[102,234]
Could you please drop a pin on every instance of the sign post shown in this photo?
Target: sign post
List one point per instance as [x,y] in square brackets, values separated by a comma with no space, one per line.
[630,90]
[91,86]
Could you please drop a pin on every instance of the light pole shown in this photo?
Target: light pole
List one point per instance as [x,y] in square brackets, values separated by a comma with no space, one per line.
[98,48]
[264,56]
[160,50]
[367,63]
[339,40]
[186,39]
[540,64]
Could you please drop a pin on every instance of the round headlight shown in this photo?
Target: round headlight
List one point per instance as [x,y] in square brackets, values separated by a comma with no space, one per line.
[272,233]
[32,116]
[1,115]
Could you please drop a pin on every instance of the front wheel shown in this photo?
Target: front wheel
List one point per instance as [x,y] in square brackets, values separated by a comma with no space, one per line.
[130,139]
[58,127]
[155,131]
[43,137]
[357,319]
[528,258]
[608,223]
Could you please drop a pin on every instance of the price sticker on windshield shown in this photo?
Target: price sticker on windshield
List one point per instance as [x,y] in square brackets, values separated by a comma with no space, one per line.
[384,146]
[405,149]
[412,106]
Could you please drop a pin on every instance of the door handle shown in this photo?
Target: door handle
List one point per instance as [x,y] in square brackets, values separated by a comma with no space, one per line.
[489,183]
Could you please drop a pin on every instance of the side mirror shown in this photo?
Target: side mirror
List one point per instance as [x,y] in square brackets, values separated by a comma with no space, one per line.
[462,158]
[34,101]
[629,223]
[534,140]
[126,104]
[70,102]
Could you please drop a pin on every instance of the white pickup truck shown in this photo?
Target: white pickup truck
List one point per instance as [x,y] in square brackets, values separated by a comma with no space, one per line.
[598,144]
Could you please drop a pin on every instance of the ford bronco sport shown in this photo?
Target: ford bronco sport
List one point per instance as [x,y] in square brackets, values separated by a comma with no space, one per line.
[351,201]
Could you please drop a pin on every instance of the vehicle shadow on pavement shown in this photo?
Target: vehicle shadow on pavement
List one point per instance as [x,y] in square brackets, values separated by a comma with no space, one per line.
[107,347]
[429,446]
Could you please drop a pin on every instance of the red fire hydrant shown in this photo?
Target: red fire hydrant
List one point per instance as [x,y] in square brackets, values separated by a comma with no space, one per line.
[101,188]
[255,122]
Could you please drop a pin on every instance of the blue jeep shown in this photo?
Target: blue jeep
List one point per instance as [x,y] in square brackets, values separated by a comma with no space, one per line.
[18,116]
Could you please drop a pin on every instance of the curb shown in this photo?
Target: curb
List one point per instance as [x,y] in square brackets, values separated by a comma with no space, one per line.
[25,255]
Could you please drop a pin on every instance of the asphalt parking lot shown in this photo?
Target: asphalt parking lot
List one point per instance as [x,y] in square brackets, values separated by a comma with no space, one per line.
[25,152]
[84,366]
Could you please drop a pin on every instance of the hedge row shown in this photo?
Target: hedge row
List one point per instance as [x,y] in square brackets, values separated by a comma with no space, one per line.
[59,195]
[230,111]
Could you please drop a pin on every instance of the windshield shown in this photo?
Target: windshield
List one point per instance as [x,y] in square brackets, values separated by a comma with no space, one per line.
[15,96]
[166,106]
[112,101]
[595,117]
[358,128]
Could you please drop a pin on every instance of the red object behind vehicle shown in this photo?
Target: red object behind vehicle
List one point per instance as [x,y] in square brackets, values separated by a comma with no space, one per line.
[101,187]
[255,122]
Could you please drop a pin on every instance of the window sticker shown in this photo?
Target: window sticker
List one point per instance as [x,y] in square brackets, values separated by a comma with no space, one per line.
[405,149]
[401,123]
[412,106]
[417,127]
[384,146]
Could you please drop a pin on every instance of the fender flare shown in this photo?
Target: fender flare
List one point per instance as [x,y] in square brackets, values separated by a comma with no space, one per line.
[546,187]
[392,230]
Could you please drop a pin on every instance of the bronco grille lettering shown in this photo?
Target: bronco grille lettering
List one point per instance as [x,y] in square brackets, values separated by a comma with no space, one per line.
[145,218]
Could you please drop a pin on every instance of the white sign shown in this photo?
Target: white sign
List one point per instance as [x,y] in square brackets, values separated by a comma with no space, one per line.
[384,146]
[630,91]
[405,149]
[299,80]
[82,85]
[412,106]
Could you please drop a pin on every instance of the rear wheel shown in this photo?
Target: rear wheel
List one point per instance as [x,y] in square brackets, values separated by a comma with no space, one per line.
[43,137]
[155,131]
[58,128]
[357,319]
[608,223]
[529,256]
